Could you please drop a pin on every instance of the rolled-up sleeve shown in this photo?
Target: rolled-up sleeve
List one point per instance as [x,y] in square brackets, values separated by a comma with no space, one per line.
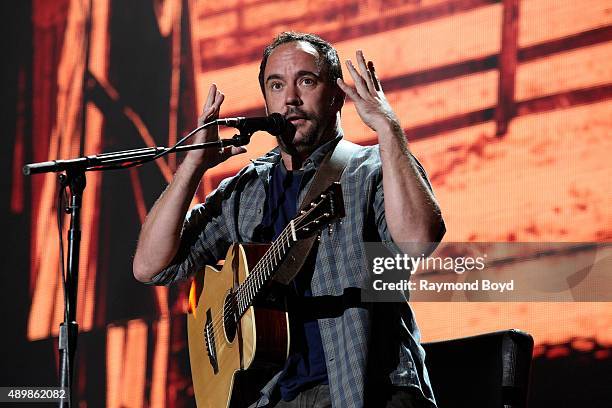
[205,238]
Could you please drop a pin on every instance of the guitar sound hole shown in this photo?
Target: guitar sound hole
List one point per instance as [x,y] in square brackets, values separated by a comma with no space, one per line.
[230,317]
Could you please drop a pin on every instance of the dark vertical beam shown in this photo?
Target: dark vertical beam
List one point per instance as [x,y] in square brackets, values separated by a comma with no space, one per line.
[507,66]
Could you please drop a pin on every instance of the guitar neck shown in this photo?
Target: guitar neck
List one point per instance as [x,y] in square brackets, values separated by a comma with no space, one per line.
[265,268]
[324,209]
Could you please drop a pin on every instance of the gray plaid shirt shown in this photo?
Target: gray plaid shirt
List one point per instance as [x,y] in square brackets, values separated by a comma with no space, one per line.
[376,340]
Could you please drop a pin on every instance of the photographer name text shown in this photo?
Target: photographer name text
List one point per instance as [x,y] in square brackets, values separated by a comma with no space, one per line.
[425,285]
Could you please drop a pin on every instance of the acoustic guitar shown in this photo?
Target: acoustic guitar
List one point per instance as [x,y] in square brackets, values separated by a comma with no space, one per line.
[233,325]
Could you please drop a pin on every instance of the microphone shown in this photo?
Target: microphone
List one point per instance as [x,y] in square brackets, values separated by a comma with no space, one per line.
[274,124]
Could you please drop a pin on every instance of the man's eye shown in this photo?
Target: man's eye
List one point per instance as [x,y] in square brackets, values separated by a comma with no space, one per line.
[308,81]
[275,86]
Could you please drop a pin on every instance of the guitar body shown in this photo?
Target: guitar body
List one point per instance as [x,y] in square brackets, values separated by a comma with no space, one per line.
[218,346]
[237,320]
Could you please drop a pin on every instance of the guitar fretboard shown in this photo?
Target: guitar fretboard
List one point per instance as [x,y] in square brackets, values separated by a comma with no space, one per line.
[265,268]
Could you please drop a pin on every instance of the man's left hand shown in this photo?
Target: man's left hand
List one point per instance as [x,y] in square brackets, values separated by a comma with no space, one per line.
[368,96]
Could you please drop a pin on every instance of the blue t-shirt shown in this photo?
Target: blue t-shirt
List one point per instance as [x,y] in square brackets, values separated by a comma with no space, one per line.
[305,366]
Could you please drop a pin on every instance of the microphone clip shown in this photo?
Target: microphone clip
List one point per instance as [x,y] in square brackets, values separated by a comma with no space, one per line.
[241,139]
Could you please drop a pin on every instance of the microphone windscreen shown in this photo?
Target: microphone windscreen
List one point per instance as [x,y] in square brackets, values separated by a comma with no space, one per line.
[278,124]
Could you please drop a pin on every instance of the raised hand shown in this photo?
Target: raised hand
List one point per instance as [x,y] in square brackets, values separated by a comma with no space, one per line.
[211,157]
[368,96]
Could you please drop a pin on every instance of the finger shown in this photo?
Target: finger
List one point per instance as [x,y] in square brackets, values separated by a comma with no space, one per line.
[375,79]
[211,96]
[347,90]
[207,108]
[212,111]
[216,105]
[365,72]
[360,85]
[237,150]
[219,100]
[230,151]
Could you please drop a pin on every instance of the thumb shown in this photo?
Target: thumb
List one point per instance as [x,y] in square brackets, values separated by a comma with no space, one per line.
[237,150]
[232,151]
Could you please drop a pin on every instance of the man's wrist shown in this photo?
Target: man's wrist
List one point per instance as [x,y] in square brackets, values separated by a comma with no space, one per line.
[391,135]
[195,166]
[389,126]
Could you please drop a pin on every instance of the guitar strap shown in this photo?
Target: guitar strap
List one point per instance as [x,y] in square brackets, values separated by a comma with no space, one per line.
[329,171]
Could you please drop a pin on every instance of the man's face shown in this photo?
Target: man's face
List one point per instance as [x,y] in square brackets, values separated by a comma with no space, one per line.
[296,86]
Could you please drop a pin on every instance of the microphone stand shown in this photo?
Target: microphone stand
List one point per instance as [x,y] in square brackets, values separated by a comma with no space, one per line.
[73,176]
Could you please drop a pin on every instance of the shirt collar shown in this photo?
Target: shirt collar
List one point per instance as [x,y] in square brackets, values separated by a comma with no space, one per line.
[320,152]
[273,156]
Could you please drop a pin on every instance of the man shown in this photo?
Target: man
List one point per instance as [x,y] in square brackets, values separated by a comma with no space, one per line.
[365,355]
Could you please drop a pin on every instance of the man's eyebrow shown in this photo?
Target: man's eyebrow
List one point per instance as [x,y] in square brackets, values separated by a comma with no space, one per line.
[300,74]
[274,76]
[303,73]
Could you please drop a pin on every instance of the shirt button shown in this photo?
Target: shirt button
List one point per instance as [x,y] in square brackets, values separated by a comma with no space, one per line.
[259,211]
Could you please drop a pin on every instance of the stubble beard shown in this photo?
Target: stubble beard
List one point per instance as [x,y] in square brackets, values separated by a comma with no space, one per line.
[315,134]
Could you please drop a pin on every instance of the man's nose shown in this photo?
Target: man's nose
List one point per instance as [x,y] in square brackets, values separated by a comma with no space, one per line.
[292,96]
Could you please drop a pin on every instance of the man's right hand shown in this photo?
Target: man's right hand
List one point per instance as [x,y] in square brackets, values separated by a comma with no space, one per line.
[208,158]
[160,235]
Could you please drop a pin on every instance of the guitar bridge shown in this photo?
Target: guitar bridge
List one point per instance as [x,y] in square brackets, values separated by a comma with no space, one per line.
[209,339]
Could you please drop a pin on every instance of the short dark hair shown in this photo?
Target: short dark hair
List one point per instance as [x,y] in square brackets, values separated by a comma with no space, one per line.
[327,54]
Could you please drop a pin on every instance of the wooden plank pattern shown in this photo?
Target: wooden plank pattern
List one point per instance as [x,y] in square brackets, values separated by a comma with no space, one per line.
[507,66]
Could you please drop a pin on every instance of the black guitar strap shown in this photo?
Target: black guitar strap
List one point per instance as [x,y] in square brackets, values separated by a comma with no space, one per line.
[329,171]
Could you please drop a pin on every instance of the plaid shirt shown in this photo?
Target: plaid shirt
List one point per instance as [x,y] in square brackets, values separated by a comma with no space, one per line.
[380,340]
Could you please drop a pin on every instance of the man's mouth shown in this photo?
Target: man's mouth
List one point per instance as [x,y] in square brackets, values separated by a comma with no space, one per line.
[296,119]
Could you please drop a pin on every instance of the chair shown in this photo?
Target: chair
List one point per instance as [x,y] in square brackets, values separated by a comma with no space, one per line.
[489,370]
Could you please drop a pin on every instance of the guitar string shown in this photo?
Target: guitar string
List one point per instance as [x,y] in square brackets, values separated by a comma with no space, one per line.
[247,284]
[253,278]
[265,260]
